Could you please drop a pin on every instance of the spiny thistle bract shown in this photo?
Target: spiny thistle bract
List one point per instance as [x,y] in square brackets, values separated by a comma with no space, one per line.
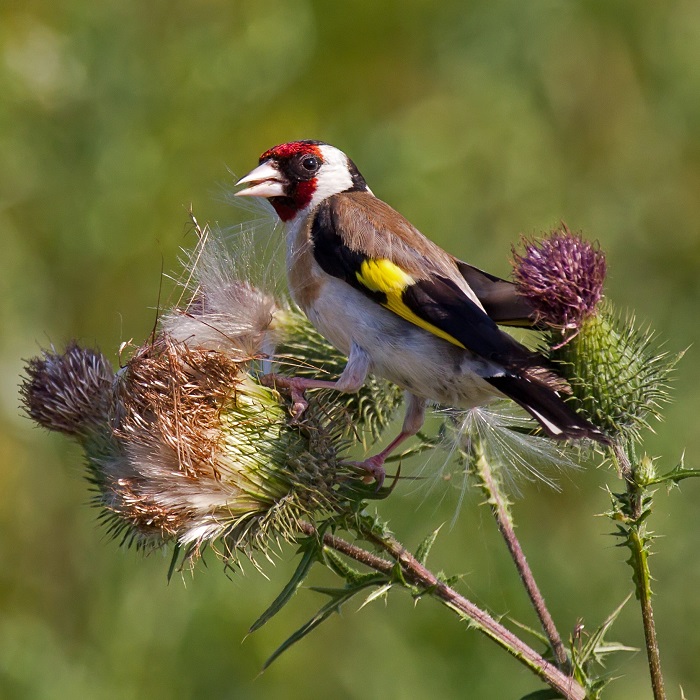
[616,376]
[303,352]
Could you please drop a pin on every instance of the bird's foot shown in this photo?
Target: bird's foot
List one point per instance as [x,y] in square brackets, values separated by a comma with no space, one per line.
[294,386]
[374,466]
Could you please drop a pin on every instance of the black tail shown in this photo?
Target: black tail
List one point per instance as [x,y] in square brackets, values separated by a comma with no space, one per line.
[547,408]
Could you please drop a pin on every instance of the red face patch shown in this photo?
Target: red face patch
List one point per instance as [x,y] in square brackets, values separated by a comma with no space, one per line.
[287,150]
[288,207]
[299,190]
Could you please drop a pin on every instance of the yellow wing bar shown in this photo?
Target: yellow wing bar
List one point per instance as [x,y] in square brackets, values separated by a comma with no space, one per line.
[384,276]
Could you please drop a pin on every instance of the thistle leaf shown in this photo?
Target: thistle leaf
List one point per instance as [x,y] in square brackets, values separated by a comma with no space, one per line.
[341,568]
[676,475]
[311,555]
[375,595]
[537,635]
[338,598]
[596,648]
[426,545]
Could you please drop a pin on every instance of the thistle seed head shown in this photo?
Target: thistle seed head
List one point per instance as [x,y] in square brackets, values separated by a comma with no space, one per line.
[220,308]
[185,445]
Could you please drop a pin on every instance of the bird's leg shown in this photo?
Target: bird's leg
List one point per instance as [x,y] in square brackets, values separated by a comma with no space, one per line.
[350,381]
[412,422]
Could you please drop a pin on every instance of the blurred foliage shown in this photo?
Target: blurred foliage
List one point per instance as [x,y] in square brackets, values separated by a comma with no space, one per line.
[478,120]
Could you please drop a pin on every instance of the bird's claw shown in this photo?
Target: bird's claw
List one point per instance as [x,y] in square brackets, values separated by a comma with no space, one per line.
[374,466]
[291,386]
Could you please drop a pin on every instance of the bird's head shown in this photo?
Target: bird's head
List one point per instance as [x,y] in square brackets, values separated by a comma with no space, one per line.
[297,176]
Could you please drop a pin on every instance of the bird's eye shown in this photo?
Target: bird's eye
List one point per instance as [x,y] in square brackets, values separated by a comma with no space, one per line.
[304,166]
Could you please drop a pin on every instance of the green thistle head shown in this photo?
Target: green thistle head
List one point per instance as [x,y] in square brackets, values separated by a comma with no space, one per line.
[617,376]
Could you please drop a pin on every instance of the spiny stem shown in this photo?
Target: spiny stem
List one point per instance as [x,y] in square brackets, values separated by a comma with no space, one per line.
[640,564]
[499,507]
[348,549]
[418,575]
[639,561]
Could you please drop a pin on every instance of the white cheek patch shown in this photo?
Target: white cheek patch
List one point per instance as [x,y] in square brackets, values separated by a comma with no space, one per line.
[334,175]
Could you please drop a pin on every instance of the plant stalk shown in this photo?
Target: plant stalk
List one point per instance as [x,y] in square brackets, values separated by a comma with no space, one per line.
[499,507]
[418,575]
[640,564]
[639,561]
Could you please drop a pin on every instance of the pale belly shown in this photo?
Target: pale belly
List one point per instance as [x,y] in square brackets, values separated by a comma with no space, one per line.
[401,352]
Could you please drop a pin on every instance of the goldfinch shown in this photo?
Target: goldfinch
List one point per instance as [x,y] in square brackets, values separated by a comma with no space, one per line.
[395,303]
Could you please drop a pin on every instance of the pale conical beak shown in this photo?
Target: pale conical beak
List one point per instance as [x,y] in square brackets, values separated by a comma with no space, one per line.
[265,181]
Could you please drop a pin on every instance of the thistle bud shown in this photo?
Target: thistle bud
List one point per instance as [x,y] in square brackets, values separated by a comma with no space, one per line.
[618,380]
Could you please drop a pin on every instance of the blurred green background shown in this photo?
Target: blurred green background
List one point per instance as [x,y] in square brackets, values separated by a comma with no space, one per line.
[478,120]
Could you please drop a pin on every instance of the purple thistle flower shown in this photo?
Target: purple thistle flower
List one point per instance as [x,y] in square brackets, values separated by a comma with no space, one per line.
[562,276]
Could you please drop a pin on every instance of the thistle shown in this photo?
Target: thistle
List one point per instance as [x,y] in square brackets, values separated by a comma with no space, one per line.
[55,399]
[224,311]
[616,376]
[184,445]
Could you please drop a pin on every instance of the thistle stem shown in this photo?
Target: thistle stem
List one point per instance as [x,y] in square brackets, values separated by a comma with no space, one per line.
[639,561]
[418,575]
[499,507]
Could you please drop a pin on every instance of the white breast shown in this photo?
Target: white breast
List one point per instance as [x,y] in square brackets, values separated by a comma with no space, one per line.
[401,352]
